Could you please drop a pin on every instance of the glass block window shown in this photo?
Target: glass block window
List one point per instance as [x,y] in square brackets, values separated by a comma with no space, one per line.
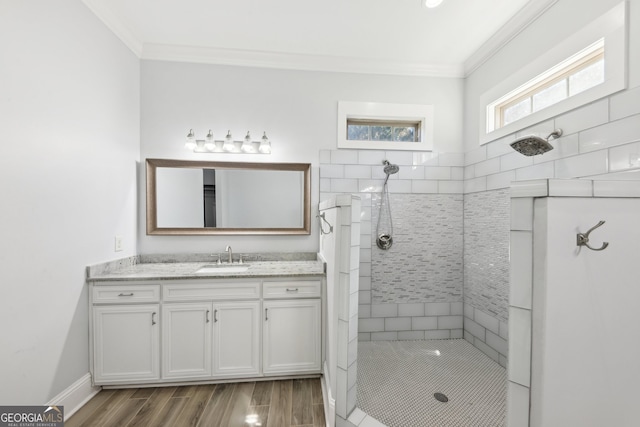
[576,74]
[374,130]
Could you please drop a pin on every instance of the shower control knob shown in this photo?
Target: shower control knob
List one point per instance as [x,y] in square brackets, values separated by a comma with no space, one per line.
[384,241]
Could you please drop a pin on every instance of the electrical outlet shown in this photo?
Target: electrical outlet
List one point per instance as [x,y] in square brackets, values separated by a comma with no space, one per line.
[118,245]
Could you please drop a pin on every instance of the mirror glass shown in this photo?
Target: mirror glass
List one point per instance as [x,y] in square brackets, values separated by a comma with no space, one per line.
[197,197]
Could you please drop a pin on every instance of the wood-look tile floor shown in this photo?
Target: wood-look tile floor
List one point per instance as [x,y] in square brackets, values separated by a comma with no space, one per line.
[264,403]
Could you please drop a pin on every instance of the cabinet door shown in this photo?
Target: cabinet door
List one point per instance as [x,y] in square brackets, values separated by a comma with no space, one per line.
[291,338]
[186,340]
[236,334]
[126,343]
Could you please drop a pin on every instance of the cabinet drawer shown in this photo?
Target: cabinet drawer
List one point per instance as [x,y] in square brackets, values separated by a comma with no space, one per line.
[210,291]
[126,294]
[292,289]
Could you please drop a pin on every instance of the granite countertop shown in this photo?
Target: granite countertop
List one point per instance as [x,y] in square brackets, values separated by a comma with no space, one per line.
[187,270]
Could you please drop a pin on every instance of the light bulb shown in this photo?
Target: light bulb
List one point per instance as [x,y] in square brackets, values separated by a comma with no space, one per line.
[247,145]
[209,143]
[432,3]
[228,142]
[190,143]
[265,144]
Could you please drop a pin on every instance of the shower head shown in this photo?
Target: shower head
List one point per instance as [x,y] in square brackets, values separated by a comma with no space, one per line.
[390,168]
[532,145]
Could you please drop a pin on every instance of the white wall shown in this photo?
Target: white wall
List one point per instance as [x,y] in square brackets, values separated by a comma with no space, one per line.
[69,108]
[560,21]
[591,379]
[597,142]
[297,109]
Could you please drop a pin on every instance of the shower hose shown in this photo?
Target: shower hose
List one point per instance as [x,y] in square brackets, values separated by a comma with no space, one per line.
[384,241]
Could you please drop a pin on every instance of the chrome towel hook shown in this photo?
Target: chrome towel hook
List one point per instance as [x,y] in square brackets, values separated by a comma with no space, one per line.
[583,238]
[321,218]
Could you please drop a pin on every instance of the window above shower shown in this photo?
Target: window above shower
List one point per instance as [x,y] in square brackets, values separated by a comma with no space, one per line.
[383,130]
[384,126]
[576,74]
[586,66]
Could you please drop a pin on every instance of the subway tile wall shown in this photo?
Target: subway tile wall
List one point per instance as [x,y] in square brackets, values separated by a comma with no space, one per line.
[412,321]
[347,370]
[414,290]
[487,333]
[600,139]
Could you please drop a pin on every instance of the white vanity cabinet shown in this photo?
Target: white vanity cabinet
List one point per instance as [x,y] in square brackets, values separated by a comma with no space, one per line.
[211,329]
[126,334]
[205,330]
[236,344]
[200,340]
[292,330]
[186,340]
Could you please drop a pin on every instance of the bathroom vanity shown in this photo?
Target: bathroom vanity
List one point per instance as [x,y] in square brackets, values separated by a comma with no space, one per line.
[168,323]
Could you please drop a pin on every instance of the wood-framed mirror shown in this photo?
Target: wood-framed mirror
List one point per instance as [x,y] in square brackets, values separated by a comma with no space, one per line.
[186,197]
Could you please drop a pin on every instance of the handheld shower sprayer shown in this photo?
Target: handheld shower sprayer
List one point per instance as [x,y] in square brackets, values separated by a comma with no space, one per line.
[385,240]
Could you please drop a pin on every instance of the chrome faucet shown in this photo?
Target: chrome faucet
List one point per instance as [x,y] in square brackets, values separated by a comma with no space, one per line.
[228,249]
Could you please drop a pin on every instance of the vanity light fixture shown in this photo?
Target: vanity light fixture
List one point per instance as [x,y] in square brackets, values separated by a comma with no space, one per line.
[209,142]
[228,142]
[247,145]
[190,143]
[265,144]
[228,145]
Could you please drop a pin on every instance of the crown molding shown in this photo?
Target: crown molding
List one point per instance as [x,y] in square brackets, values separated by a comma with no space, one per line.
[521,20]
[115,25]
[265,59]
[295,61]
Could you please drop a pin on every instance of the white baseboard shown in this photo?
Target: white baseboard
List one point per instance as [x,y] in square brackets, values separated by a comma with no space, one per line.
[75,396]
[329,401]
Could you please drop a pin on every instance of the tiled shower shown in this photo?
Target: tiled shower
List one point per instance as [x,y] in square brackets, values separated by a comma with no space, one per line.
[486,272]
[414,291]
[447,275]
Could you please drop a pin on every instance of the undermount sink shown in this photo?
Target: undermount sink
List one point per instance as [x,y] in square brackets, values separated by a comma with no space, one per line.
[222,268]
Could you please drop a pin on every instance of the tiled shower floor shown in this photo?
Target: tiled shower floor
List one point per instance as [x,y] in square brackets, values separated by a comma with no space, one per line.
[397,381]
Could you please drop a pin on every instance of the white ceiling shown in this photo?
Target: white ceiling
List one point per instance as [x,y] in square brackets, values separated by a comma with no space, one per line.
[377,36]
